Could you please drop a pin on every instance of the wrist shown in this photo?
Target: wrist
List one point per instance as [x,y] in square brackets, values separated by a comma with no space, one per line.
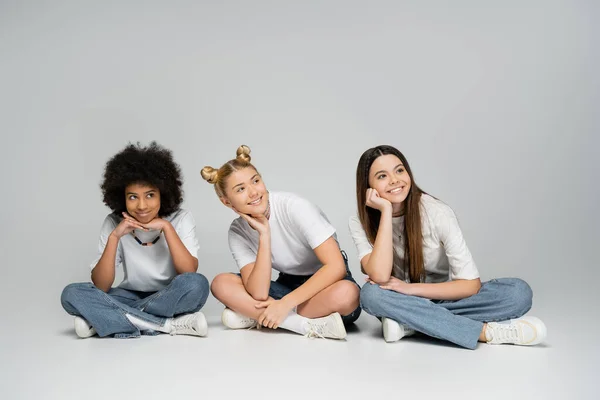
[167,227]
[412,289]
[288,302]
[387,211]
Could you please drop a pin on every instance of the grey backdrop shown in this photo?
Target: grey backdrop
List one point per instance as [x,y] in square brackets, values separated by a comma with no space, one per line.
[495,104]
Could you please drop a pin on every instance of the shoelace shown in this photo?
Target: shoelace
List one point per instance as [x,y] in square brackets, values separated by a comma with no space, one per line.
[182,323]
[508,333]
[315,331]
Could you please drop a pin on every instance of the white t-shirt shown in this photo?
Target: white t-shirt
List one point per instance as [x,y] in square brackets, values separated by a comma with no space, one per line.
[445,253]
[297,227]
[148,268]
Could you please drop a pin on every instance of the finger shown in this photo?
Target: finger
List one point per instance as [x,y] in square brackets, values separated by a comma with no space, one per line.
[261,319]
[136,225]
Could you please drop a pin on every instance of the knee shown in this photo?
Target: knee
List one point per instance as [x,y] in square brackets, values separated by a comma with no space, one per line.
[370,296]
[220,283]
[194,284]
[345,297]
[73,293]
[519,297]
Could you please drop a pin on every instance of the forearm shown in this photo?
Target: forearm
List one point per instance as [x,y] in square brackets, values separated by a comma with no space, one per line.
[182,259]
[453,290]
[103,274]
[259,280]
[326,276]
[381,260]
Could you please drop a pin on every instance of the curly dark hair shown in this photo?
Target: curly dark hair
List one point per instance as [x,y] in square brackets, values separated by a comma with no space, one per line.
[152,165]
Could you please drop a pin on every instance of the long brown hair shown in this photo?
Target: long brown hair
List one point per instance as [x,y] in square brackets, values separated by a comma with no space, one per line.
[369,217]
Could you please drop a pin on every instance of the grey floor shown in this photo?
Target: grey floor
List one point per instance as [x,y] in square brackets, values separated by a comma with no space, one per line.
[43,359]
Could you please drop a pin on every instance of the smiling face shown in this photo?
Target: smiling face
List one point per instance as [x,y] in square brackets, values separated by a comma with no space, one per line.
[245,192]
[142,202]
[389,177]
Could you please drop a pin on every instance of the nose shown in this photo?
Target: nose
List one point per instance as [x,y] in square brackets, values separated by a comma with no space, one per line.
[252,192]
[141,205]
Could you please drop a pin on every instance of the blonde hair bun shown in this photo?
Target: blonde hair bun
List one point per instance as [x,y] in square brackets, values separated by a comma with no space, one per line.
[243,153]
[209,174]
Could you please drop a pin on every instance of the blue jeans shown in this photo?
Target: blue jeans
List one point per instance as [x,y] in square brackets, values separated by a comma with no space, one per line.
[106,312]
[459,321]
[287,283]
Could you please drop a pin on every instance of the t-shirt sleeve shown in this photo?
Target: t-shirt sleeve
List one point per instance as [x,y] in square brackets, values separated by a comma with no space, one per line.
[186,230]
[108,226]
[240,248]
[462,265]
[359,236]
[310,222]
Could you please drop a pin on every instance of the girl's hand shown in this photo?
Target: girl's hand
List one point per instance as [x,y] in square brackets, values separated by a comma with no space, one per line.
[260,224]
[396,285]
[157,224]
[127,225]
[274,314]
[377,202]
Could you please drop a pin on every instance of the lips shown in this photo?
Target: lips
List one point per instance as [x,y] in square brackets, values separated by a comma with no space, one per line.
[255,202]
[396,190]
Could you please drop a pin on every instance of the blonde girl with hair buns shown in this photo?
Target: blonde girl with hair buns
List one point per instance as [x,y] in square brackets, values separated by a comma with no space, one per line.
[314,294]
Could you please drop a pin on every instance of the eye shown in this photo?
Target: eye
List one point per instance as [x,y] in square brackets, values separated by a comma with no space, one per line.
[256,180]
[150,195]
[240,189]
[132,197]
[381,176]
[400,170]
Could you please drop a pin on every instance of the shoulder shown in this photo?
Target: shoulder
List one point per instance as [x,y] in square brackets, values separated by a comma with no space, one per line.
[238,226]
[434,207]
[292,202]
[180,216]
[111,221]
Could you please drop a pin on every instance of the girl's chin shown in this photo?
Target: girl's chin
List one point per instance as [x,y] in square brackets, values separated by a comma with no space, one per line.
[253,212]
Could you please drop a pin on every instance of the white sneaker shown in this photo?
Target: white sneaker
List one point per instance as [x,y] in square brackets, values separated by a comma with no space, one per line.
[189,324]
[83,329]
[524,331]
[233,320]
[330,326]
[393,331]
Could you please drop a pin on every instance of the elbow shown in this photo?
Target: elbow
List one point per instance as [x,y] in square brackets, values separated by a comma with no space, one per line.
[474,287]
[260,296]
[104,288]
[379,278]
[477,286]
[191,266]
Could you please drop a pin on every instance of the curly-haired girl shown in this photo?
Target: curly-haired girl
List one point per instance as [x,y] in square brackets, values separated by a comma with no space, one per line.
[154,241]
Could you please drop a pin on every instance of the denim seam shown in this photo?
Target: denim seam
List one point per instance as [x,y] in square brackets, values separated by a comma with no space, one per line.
[123,312]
